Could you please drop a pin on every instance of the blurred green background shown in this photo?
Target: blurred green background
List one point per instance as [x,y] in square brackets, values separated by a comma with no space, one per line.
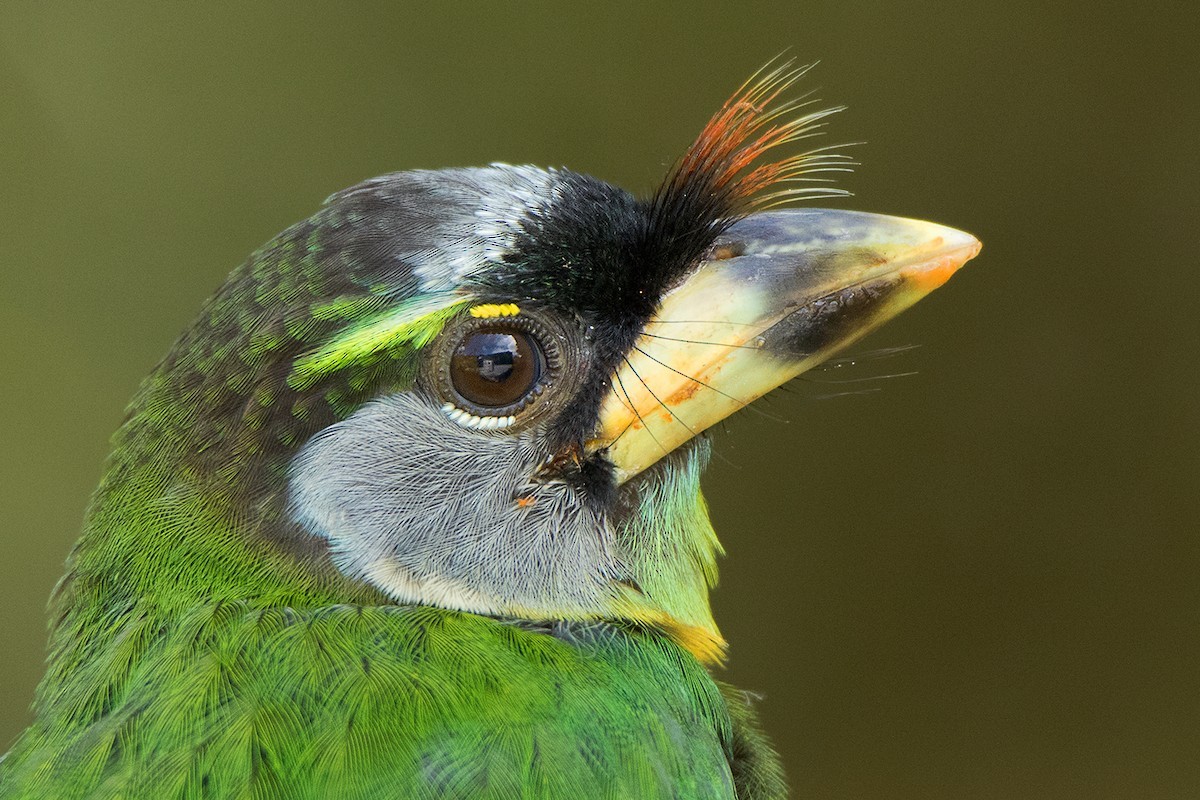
[980,581]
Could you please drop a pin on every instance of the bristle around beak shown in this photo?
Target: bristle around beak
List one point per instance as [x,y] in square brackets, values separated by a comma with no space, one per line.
[783,292]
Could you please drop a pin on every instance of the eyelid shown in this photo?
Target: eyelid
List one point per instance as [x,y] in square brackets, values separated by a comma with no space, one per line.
[469,420]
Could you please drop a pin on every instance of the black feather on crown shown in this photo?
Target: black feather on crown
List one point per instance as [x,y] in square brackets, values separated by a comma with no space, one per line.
[598,250]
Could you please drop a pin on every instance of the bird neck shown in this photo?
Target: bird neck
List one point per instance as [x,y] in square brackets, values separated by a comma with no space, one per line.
[673,550]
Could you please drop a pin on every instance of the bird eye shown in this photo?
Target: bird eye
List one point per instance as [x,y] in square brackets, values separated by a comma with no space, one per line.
[492,371]
[495,369]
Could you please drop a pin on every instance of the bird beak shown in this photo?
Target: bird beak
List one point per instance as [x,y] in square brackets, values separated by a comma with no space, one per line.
[780,292]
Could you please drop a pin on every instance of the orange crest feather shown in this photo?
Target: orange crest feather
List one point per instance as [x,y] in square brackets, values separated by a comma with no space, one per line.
[719,166]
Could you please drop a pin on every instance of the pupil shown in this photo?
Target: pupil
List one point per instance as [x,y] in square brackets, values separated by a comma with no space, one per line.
[495,368]
[495,354]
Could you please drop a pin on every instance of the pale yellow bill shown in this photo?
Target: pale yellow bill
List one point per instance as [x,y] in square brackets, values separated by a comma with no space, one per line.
[784,291]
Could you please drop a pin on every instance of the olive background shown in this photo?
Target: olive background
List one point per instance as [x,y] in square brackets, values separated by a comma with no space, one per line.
[978,581]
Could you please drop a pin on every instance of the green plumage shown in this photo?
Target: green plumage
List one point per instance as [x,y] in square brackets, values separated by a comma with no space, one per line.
[353,702]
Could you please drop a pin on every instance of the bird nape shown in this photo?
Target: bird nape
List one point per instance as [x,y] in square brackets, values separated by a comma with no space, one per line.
[413,509]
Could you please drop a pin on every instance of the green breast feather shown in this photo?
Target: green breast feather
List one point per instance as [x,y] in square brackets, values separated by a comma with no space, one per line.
[374,702]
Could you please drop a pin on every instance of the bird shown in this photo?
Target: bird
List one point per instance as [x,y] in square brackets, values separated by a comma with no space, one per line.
[413,509]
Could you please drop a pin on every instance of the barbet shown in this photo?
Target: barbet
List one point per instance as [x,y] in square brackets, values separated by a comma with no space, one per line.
[413,509]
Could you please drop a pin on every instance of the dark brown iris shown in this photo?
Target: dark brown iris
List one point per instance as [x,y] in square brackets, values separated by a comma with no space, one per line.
[496,368]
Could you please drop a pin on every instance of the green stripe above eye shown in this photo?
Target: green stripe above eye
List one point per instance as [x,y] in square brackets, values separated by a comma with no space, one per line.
[411,325]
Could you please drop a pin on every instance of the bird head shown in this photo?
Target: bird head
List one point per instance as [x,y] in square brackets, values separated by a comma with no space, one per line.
[487,389]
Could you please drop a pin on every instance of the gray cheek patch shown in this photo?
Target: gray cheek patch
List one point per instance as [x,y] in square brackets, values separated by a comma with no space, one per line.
[427,511]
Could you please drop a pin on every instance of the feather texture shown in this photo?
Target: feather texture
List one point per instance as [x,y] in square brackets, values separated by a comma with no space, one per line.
[359,702]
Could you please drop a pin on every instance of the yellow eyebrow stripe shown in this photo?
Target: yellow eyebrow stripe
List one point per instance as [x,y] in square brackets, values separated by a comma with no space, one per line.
[490,310]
